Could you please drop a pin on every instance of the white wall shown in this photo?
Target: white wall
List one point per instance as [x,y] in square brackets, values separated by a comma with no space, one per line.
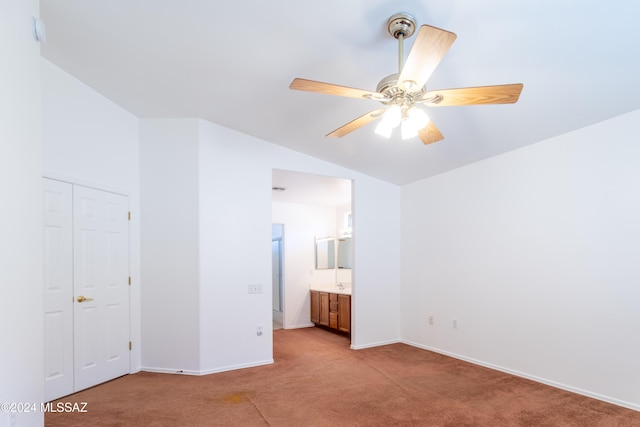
[235,231]
[21,315]
[235,239]
[376,265]
[535,252]
[170,248]
[302,223]
[91,141]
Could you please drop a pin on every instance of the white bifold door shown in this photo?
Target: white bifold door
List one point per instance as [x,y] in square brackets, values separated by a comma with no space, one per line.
[86,287]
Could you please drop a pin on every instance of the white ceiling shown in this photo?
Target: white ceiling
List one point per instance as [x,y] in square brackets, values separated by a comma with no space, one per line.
[310,189]
[231,63]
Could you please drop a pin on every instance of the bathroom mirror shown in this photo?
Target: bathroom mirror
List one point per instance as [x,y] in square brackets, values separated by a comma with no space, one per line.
[344,252]
[325,253]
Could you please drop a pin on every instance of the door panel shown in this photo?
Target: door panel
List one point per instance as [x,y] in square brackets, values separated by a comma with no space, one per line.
[58,289]
[102,270]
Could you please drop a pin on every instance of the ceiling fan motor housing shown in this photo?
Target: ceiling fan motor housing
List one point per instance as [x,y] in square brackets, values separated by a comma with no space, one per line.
[395,94]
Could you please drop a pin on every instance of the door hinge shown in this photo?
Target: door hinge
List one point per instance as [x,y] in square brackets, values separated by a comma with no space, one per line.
[130,345]
[129,215]
[129,280]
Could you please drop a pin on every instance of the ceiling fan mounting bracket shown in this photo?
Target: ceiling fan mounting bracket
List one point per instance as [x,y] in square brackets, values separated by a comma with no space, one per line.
[401,24]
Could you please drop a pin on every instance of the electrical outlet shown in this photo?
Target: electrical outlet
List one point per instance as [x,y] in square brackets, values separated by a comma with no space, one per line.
[431,320]
[259,330]
[454,323]
[255,289]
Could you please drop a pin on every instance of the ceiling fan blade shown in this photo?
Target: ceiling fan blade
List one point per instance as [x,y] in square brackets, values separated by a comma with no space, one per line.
[428,50]
[331,89]
[430,134]
[356,123]
[501,94]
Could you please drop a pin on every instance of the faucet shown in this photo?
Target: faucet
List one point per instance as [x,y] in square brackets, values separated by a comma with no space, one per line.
[340,285]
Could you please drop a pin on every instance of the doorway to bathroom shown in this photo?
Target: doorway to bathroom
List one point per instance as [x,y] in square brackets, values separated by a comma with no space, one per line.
[277,282]
[306,209]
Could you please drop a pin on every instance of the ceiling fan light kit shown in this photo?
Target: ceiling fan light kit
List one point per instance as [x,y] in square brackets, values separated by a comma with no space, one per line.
[403,92]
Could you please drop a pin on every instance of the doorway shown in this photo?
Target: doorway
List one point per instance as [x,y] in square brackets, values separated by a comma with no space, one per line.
[277,282]
[308,206]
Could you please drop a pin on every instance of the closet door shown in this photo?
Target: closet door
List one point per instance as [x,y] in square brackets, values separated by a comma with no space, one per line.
[58,289]
[86,287]
[101,289]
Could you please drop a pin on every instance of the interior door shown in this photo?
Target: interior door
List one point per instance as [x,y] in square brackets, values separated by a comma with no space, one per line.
[58,289]
[101,294]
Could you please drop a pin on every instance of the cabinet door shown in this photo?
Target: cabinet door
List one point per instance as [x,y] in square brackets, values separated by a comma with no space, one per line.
[344,313]
[315,307]
[324,308]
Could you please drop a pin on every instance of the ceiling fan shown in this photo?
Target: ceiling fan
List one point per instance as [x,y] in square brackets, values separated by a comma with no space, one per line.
[401,93]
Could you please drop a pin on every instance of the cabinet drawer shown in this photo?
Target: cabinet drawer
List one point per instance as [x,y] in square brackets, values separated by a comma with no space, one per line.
[333,320]
[333,306]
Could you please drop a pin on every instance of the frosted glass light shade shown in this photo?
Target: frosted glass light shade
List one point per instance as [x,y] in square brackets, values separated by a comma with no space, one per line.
[417,117]
[390,120]
[414,120]
[407,130]
[384,129]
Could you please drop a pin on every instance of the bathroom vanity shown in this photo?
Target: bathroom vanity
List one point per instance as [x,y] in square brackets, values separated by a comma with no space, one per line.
[331,308]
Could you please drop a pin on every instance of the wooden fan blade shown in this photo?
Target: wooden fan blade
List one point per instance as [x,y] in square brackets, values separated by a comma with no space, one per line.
[502,94]
[428,50]
[331,89]
[356,123]
[430,134]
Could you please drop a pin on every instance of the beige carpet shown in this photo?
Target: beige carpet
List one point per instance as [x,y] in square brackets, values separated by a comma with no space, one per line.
[317,380]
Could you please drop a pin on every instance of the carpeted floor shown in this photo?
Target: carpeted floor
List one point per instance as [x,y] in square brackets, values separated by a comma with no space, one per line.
[317,380]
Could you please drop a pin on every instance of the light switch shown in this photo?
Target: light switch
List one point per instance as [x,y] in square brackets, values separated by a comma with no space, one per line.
[255,289]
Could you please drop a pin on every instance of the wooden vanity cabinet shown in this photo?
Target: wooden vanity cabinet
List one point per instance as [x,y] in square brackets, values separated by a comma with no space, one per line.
[324,309]
[331,310]
[315,306]
[320,308]
[344,313]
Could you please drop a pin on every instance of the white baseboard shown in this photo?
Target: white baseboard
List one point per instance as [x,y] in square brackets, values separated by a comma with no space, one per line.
[234,367]
[304,325]
[555,384]
[169,371]
[374,344]
[207,371]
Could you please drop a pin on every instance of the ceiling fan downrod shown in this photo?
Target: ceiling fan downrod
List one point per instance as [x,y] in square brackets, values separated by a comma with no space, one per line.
[401,26]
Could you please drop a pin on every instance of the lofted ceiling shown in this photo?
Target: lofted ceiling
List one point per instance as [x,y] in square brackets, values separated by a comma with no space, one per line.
[310,189]
[231,63]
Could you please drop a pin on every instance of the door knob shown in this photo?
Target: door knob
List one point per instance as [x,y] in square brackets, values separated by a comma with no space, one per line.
[82,298]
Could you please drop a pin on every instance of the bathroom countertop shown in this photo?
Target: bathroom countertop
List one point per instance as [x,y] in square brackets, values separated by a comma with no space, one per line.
[331,288]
